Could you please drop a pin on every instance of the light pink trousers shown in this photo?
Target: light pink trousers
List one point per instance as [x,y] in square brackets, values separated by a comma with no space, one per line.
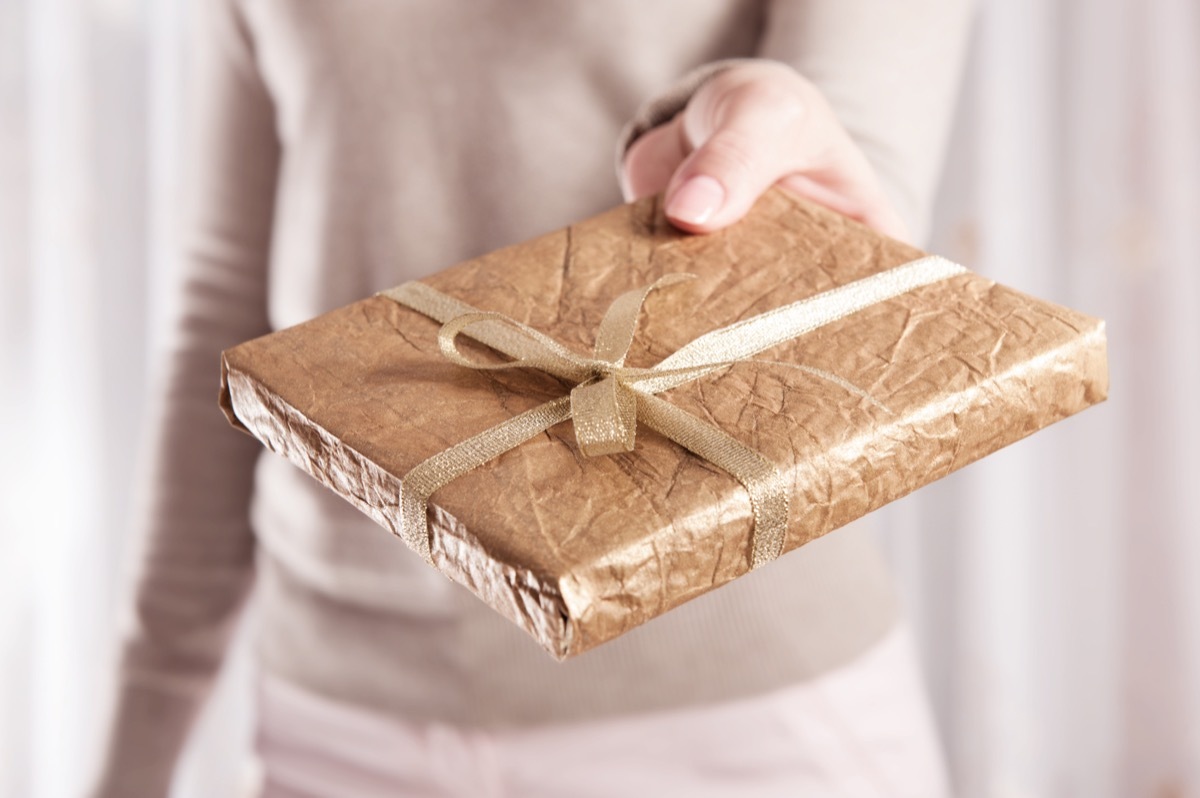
[862,730]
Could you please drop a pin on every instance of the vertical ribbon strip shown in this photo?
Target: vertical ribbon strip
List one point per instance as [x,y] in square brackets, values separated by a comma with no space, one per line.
[609,398]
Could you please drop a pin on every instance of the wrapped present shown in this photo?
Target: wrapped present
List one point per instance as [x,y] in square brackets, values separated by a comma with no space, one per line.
[593,427]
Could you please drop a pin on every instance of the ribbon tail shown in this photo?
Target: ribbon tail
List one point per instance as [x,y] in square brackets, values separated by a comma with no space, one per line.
[656,380]
[446,466]
[605,417]
[769,493]
[829,376]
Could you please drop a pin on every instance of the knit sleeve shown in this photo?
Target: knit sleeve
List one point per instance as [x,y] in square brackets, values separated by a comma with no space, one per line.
[890,71]
[195,550]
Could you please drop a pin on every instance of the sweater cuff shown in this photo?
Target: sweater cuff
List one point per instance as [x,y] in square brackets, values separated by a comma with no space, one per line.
[664,106]
[146,735]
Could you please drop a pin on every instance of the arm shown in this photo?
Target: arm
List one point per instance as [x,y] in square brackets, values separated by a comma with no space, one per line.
[195,560]
[849,104]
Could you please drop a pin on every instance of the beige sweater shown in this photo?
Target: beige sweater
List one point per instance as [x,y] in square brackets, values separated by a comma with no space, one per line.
[344,147]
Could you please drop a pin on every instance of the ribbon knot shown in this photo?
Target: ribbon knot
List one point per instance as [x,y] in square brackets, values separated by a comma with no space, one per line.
[604,400]
[609,399]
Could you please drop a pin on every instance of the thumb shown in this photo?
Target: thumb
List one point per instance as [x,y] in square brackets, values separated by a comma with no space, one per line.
[741,132]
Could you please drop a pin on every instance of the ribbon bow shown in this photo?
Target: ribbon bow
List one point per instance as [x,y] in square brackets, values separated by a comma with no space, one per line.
[609,398]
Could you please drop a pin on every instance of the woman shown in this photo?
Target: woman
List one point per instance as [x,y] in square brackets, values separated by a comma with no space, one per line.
[344,147]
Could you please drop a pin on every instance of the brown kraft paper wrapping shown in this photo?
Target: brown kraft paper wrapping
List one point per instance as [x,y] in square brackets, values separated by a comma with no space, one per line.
[578,550]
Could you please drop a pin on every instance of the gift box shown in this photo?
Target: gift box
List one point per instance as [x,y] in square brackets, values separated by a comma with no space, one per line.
[593,427]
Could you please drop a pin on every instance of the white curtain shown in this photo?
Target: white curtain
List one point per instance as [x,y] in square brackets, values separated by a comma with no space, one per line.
[1055,586]
[91,152]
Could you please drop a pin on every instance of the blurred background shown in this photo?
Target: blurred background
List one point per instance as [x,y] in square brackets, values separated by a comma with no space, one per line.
[1054,587]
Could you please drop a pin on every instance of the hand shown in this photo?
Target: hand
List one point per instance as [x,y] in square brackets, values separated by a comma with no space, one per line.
[744,130]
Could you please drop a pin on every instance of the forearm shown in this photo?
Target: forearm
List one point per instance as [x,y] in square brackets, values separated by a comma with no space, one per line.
[194,559]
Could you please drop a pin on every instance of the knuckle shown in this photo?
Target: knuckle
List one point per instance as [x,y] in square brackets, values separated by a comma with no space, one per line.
[731,152]
[773,90]
[772,96]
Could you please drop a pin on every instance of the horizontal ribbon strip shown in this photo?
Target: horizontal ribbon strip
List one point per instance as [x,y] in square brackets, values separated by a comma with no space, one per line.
[609,398]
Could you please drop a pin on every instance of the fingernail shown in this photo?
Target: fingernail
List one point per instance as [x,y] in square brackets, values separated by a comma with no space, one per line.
[696,200]
[623,182]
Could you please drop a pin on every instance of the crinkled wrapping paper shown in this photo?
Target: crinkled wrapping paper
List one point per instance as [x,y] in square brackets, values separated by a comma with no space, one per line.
[578,550]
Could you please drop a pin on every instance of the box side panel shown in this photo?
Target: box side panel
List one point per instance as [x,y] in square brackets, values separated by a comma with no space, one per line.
[531,602]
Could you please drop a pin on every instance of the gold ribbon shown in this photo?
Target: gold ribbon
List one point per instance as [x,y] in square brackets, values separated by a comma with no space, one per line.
[609,398]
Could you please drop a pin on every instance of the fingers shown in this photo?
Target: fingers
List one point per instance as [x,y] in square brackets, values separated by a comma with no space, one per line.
[652,160]
[875,211]
[745,130]
[743,135]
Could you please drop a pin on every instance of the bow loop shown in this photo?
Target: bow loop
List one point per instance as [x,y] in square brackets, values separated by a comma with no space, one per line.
[615,333]
[533,349]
